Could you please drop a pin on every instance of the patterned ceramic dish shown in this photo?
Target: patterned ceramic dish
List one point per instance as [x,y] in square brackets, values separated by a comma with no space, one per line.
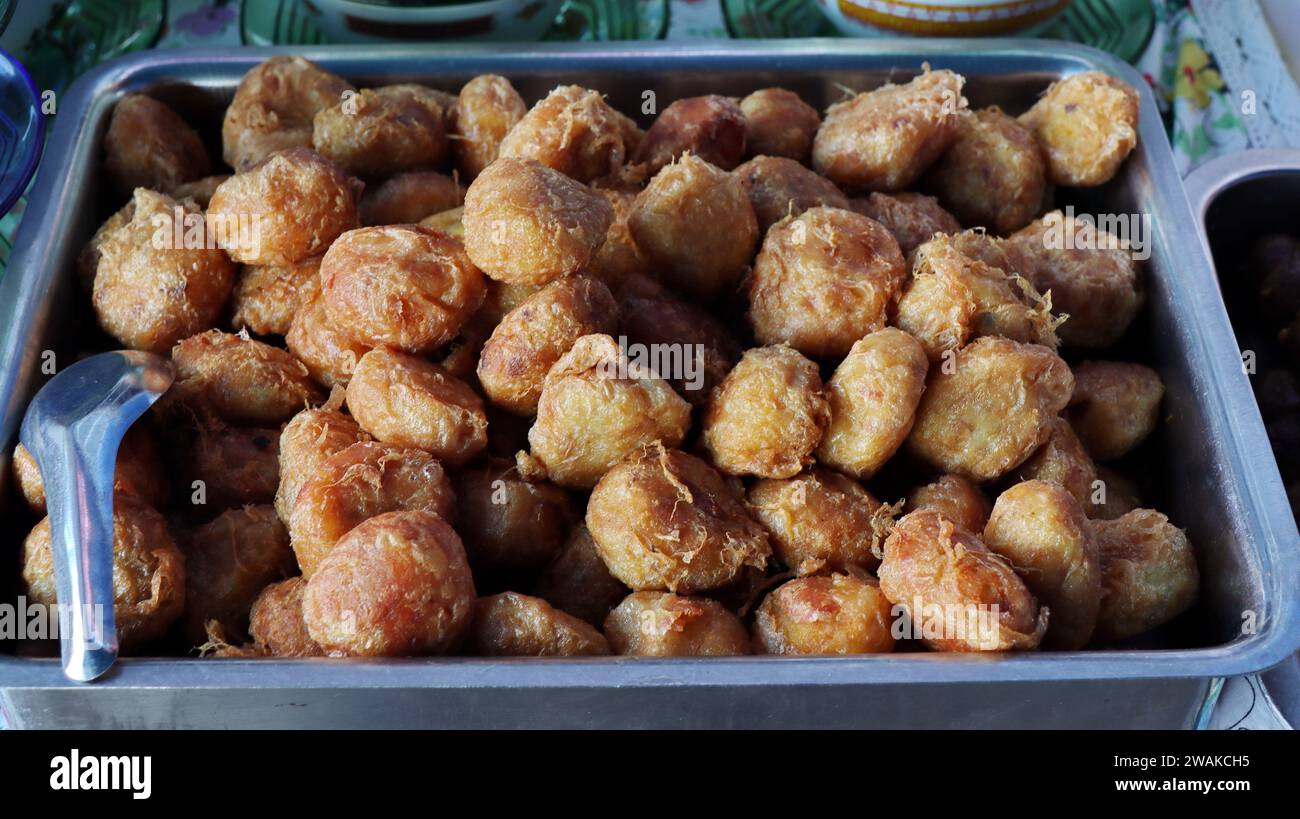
[945,18]
[350,21]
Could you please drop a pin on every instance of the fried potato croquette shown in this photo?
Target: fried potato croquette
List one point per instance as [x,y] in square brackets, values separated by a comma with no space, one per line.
[912,218]
[779,123]
[533,336]
[1087,125]
[400,286]
[666,520]
[148,572]
[986,413]
[818,520]
[228,562]
[510,523]
[516,625]
[329,354]
[288,207]
[149,146]
[487,108]
[873,397]
[275,621]
[139,472]
[711,128]
[223,466]
[768,415]
[1095,282]
[660,624]
[1042,531]
[954,497]
[597,406]
[576,132]
[577,580]
[382,131]
[695,224]
[993,174]
[823,280]
[148,296]
[526,223]
[241,380]
[1116,406]
[835,614]
[407,198]
[405,400]
[200,190]
[883,140]
[397,585]
[953,298]
[1148,570]
[618,257]
[359,482]
[266,299]
[448,222]
[307,440]
[274,107]
[779,187]
[1062,460]
[958,595]
[657,317]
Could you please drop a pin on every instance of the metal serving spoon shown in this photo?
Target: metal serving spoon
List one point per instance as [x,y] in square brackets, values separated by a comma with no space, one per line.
[72,429]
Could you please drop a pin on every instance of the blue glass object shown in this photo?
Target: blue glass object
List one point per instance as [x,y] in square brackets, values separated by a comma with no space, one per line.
[22,130]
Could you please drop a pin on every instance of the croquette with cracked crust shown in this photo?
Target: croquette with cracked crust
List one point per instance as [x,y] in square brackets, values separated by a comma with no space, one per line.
[768,415]
[529,339]
[288,207]
[663,624]
[819,520]
[526,223]
[408,401]
[828,614]
[986,413]
[666,520]
[400,286]
[516,625]
[148,572]
[397,585]
[873,397]
[149,297]
[597,406]
[823,280]
[695,224]
[958,595]
[359,482]
[883,140]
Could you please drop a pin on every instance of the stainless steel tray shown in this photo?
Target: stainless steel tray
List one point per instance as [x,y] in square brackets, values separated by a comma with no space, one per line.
[1236,199]
[1216,463]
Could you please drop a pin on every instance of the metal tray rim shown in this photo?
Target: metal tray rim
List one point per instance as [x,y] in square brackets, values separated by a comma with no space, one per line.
[1279,638]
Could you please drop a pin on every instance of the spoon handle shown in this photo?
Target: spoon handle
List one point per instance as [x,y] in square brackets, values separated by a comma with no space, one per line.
[79,499]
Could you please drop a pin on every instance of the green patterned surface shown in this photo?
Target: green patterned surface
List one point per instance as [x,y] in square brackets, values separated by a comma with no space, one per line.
[776,19]
[88,32]
[1121,27]
[610,20]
